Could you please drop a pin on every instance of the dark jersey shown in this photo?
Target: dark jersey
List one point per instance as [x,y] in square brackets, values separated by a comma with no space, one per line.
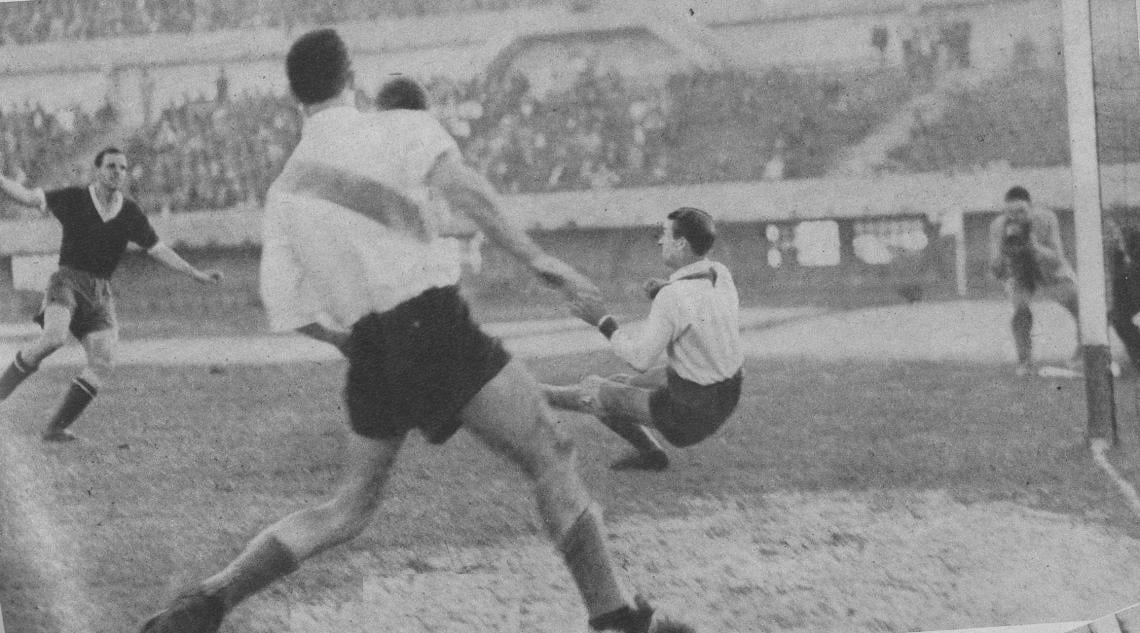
[90,244]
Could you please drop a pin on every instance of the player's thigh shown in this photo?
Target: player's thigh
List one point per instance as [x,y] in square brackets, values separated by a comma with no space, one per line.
[57,321]
[628,401]
[509,416]
[1019,296]
[100,347]
[367,464]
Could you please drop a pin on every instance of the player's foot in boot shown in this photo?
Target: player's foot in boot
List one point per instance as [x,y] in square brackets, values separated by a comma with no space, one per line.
[59,435]
[641,618]
[193,612]
[568,398]
[1025,369]
[655,460]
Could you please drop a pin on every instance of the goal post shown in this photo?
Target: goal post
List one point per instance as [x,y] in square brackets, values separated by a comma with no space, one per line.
[1093,322]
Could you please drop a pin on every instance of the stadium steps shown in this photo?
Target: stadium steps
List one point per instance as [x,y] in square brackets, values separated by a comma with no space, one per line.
[870,155]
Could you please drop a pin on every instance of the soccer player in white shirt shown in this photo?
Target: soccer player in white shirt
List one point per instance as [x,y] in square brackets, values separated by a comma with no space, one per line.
[695,322]
[351,258]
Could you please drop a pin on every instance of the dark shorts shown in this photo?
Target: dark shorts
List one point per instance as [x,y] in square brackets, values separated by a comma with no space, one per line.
[88,298]
[686,413]
[417,366]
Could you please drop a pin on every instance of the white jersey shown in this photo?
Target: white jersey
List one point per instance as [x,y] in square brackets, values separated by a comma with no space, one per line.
[695,322]
[349,228]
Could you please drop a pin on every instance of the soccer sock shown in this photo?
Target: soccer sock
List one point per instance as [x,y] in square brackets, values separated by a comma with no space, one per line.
[1022,324]
[632,432]
[264,561]
[584,549]
[14,375]
[79,395]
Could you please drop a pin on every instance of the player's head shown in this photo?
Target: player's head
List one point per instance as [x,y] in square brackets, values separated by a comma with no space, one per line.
[318,67]
[687,234]
[111,168]
[401,93]
[1017,200]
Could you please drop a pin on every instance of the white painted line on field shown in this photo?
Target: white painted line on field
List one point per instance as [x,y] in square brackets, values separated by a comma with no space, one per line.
[1099,448]
[54,553]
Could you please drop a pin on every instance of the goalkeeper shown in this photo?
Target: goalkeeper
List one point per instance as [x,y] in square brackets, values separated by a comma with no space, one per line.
[1027,255]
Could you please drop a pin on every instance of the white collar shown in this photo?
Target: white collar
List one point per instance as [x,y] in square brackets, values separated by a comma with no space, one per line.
[106,212]
[699,266]
[332,115]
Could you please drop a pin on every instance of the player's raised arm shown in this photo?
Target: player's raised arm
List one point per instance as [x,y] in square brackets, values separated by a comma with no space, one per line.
[469,193]
[21,194]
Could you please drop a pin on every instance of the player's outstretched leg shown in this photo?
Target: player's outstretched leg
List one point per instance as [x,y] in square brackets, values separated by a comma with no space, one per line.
[622,404]
[280,548]
[509,416]
[56,319]
[14,375]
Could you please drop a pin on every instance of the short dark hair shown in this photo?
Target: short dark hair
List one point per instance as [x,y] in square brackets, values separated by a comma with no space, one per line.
[696,226]
[317,66]
[1017,193]
[401,93]
[103,152]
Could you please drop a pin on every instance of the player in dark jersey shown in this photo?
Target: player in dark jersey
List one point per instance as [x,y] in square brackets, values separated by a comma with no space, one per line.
[98,221]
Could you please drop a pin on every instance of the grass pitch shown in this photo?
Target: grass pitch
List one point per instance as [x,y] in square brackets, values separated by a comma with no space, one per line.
[843,496]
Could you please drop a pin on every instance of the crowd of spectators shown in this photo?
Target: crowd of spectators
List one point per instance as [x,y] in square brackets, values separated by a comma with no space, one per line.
[36,141]
[51,20]
[599,131]
[604,131]
[213,154]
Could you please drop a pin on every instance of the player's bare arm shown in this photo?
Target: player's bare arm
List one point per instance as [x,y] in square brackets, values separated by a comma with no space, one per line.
[21,194]
[166,255]
[469,193]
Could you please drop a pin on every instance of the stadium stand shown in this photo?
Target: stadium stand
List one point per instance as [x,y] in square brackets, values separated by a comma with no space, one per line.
[34,141]
[54,20]
[1019,118]
[603,132]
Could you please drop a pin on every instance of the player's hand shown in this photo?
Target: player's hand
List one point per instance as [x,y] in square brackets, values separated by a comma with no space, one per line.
[589,310]
[208,276]
[561,276]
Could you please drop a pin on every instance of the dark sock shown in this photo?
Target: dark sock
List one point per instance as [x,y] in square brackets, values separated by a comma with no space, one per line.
[264,561]
[626,619]
[584,549]
[14,375]
[632,432]
[79,395]
[1022,324]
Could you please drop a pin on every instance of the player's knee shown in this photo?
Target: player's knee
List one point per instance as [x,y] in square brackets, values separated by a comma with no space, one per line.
[555,447]
[349,516]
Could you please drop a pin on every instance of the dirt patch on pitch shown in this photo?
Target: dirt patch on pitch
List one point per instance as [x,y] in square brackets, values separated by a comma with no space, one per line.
[796,562]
